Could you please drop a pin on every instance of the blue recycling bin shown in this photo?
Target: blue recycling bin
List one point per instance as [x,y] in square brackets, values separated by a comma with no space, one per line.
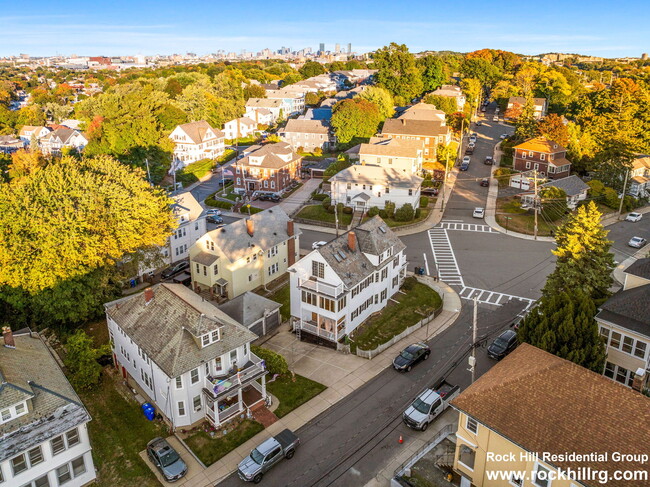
[149,411]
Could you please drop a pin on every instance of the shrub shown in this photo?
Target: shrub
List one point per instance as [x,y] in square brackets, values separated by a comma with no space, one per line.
[319,196]
[424,201]
[318,151]
[428,183]
[373,211]
[339,208]
[211,201]
[327,202]
[81,360]
[405,213]
[418,212]
[611,198]
[390,208]
[226,156]
[383,214]
[501,174]
[330,209]
[250,209]
[275,363]
[348,210]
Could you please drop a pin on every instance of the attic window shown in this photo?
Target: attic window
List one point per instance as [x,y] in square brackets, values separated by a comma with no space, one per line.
[210,338]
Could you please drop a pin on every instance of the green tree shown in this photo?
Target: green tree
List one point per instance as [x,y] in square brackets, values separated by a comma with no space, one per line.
[584,262]
[526,126]
[472,89]
[487,73]
[254,91]
[554,205]
[380,97]
[311,69]
[398,73]
[312,99]
[355,119]
[433,72]
[81,360]
[71,217]
[291,78]
[563,324]
[445,103]
[405,213]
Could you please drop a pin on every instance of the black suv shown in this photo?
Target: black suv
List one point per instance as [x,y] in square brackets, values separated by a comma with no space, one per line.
[410,356]
[171,271]
[269,197]
[503,345]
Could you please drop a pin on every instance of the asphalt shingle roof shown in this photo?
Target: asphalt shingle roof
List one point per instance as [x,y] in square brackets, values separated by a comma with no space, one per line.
[248,308]
[169,326]
[641,268]
[405,126]
[547,404]
[629,309]
[572,185]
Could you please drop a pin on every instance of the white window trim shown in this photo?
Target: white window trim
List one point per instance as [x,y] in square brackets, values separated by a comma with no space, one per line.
[534,482]
[461,463]
[467,420]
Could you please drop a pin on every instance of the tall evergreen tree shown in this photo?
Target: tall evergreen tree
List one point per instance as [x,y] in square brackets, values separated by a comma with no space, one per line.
[563,324]
[584,262]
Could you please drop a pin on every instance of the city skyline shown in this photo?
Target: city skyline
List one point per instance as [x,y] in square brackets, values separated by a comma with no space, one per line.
[105,30]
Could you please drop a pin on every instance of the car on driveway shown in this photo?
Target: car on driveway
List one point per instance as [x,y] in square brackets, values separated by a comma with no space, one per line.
[485,182]
[166,459]
[478,213]
[488,160]
[410,356]
[213,211]
[633,217]
[213,219]
[503,345]
[270,197]
[637,242]
[172,270]
[318,245]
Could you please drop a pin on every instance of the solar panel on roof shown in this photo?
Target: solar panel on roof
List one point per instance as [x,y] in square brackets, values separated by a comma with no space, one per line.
[342,254]
[382,229]
[338,259]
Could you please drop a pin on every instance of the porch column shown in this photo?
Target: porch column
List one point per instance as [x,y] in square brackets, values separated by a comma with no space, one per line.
[215,410]
[263,387]
[240,399]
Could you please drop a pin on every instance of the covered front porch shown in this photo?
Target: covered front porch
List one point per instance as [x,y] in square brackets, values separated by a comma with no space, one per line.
[320,326]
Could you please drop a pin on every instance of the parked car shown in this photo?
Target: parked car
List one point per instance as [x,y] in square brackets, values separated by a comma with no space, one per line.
[469,149]
[488,160]
[166,459]
[410,356]
[478,213]
[428,405]
[213,219]
[495,118]
[485,182]
[503,345]
[479,123]
[213,211]
[172,270]
[270,197]
[637,242]
[633,217]
[430,191]
[318,245]
[503,136]
[466,159]
[268,454]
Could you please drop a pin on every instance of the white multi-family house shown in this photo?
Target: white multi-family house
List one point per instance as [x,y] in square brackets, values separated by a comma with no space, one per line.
[338,286]
[43,424]
[307,134]
[195,141]
[401,154]
[293,101]
[10,144]
[452,91]
[191,225]
[517,103]
[640,177]
[624,323]
[239,128]
[62,137]
[30,132]
[363,187]
[190,359]
[254,107]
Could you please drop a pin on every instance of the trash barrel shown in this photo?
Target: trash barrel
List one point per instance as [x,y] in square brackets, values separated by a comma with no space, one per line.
[149,411]
[421,271]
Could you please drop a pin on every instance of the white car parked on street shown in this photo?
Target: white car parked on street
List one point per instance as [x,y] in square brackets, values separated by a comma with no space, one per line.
[479,213]
[633,217]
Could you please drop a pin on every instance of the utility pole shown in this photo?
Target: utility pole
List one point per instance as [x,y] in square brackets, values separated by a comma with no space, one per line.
[536,204]
[474,333]
[336,218]
[620,207]
[444,184]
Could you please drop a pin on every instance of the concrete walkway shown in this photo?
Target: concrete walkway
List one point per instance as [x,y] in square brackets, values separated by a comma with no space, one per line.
[341,373]
[298,198]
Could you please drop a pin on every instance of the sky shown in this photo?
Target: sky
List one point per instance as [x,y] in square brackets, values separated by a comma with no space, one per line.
[119,27]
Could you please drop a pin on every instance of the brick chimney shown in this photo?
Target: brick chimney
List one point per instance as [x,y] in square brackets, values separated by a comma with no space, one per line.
[352,241]
[639,379]
[9,337]
[148,295]
[290,228]
[250,228]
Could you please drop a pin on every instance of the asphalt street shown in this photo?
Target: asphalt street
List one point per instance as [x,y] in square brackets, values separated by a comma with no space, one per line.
[349,443]
[621,233]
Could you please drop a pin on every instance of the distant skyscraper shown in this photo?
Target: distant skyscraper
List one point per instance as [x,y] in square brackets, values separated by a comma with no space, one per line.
[322,47]
[349,48]
[337,48]
[644,56]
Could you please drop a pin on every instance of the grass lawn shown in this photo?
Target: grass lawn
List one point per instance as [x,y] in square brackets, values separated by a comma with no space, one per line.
[230,194]
[209,449]
[283,297]
[118,432]
[317,212]
[511,217]
[419,301]
[195,171]
[292,394]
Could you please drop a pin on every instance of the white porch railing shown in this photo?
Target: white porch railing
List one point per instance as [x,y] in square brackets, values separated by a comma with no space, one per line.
[228,413]
[228,385]
[321,287]
[316,330]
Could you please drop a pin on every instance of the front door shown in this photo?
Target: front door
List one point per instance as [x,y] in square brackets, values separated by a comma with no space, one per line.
[251,186]
[125,374]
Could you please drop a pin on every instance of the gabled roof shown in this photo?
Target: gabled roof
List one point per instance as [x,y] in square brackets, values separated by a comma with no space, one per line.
[369,174]
[185,202]
[270,156]
[641,161]
[168,327]
[404,126]
[64,134]
[541,144]
[264,102]
[423,111]
[392,148]
[249,308]
[629,309]
[547,404]
[520,100]
[640,268]
[572,185]
[269,230]
[197,131]
[306,127]
[30,372]
[373,237]
[30,129]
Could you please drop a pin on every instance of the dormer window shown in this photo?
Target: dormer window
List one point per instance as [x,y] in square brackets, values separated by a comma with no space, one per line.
[209,338]
[13,412]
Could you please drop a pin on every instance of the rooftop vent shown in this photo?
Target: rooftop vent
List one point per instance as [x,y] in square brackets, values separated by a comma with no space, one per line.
[382,229]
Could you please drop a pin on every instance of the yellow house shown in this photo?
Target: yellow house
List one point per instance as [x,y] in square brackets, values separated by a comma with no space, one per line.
[536,420]
[244,255]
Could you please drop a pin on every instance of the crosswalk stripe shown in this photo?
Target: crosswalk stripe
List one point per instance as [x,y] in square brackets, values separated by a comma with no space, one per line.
[501,298]
[467,227]
[444,257]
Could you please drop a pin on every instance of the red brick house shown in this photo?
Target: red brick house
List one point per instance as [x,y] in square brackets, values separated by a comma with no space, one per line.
[268,167]
[544,155]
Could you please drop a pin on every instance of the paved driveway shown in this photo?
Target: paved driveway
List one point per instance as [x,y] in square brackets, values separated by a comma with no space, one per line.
[195,471]
[297,199]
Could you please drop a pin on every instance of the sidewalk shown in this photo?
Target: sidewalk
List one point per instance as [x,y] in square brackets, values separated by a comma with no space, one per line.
[341,373]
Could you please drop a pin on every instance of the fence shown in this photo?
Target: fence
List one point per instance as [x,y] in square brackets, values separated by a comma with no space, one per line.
[371,353]
[440,435]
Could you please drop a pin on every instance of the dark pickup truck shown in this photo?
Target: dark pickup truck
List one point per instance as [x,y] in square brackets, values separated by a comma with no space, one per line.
[264,457]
